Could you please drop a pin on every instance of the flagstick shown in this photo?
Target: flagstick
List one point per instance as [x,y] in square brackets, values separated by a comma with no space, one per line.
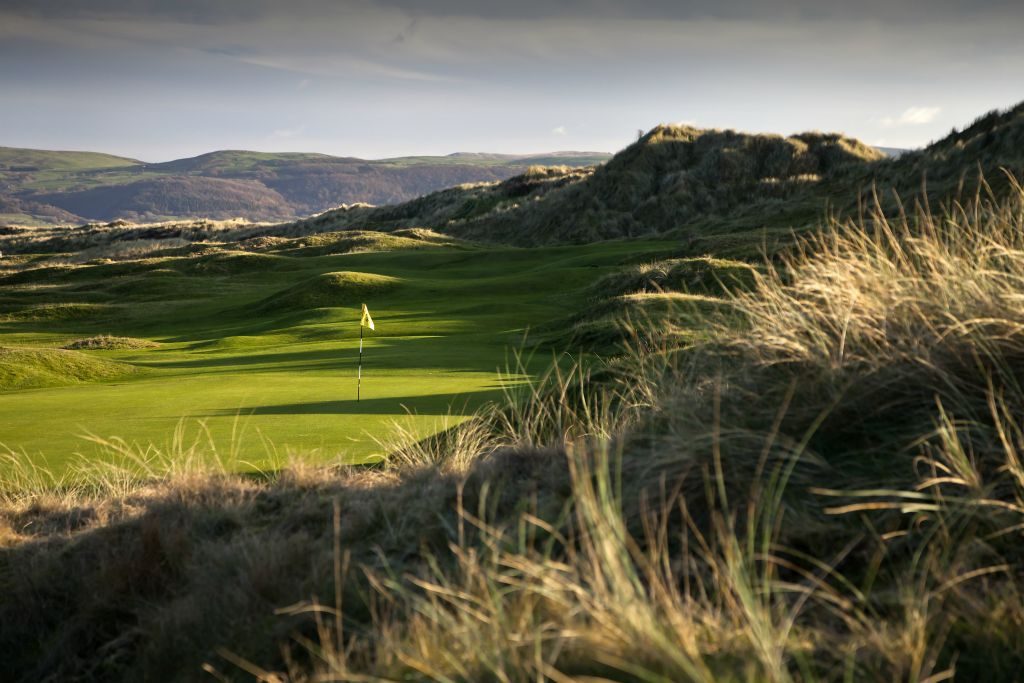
[359,381]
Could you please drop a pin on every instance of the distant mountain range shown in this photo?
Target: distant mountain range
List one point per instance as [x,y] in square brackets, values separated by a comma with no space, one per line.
[892,152]
[48,187]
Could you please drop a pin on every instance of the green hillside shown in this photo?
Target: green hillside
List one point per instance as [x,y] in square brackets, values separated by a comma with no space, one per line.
[695,185]
[236,161]
[14,159]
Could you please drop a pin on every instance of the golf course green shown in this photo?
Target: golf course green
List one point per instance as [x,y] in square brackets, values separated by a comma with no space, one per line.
[256,350]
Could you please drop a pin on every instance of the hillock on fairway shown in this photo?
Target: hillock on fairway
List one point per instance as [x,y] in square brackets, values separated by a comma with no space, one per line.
[329,290]
[29,368]
[108,342]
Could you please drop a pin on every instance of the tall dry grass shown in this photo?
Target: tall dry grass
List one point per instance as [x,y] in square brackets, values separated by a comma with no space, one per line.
[831,489]
[921,288]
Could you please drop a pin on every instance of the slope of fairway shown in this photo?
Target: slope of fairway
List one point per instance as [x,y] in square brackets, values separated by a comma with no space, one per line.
[259,352]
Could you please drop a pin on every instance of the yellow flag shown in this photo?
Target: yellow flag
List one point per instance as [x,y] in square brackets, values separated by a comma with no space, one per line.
[367,321]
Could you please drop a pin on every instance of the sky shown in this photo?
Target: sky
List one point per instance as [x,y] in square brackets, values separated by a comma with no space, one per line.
[163,79]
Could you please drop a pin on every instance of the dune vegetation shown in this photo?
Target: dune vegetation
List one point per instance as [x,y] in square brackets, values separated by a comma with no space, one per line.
[716,449]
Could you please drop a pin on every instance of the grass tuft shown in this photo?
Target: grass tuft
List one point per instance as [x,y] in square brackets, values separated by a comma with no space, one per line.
[108,342]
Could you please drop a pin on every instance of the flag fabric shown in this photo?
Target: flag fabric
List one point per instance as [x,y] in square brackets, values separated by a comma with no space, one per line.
[367,321]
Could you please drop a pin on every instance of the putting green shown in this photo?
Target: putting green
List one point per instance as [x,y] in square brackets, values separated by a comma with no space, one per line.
[260,350]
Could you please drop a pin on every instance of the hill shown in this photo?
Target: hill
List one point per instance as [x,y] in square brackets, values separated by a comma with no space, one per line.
[673,177]
[168,197]
[41,187]
[18,160]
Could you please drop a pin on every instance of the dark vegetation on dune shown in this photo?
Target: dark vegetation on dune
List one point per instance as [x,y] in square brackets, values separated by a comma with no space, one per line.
[677,179]
[671,177]
[792,453]
[992,142]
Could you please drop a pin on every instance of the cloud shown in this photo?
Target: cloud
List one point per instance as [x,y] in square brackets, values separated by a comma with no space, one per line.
[338,65]
[781,11]
[912,116]
[918,115]
[287,133]
[199,12]
[464,68]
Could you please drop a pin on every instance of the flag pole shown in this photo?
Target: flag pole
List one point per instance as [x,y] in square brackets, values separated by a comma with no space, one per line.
[365,321]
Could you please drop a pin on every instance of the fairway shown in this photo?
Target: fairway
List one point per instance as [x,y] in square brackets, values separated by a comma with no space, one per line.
[258,351]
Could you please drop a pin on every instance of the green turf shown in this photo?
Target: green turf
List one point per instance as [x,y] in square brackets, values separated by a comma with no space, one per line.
[15,158]
[265,345]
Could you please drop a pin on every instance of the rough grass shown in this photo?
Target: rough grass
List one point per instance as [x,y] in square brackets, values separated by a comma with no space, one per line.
[828,488]
[106,342]
[653,304]
[701,275]
[675,175]
[56,312]
[28,368]
[831,490]
[357,241]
